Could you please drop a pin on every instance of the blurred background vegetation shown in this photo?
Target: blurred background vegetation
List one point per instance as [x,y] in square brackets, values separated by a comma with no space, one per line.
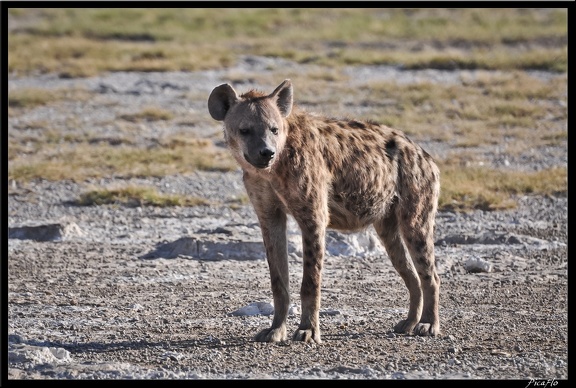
[506,102]
[83,42]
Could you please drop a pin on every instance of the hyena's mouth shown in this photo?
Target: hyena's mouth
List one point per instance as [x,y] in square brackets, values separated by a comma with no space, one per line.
[261,163]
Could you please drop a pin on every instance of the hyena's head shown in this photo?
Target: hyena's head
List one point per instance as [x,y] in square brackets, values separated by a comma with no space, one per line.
[254,125]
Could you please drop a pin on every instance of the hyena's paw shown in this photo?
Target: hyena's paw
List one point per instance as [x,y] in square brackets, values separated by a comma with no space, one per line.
[427,329]
[421,328]
[277,334]
[405,326]
[307,335]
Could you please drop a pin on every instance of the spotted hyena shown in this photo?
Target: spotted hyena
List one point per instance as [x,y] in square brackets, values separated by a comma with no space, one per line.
[339,174]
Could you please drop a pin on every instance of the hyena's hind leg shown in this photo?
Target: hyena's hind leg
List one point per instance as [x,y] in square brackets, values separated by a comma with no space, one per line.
[420,243]
[417,216]
[388,230]
[416,213]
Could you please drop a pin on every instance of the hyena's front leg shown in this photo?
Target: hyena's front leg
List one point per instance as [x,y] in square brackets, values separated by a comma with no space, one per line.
[313,227]
[272,219]
[273,228]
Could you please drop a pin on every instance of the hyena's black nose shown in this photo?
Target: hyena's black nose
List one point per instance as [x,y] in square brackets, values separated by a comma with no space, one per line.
[267,153]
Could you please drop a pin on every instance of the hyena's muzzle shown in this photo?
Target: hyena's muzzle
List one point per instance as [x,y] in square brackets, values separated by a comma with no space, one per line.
[259,151]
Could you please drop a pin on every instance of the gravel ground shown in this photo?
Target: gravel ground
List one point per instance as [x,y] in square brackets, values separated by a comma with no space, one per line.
[109,300]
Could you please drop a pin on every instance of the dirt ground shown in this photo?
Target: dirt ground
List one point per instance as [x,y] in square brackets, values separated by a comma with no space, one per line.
[113,314]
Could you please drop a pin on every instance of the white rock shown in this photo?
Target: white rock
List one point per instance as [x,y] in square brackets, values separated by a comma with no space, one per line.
[475,264]
[38,354]
[262,308]
[256,308]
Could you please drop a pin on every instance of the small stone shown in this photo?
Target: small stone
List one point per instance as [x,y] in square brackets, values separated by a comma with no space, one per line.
[475,265]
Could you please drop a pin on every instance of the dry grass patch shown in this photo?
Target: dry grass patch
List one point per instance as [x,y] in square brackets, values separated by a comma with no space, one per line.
[487,110]
[498,58]
[73,57]
[148,114]
[134,196]
[30,98]
[466,188]
[80,161]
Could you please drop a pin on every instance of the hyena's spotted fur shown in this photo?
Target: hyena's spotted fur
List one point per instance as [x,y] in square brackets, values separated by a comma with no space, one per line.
[330,173]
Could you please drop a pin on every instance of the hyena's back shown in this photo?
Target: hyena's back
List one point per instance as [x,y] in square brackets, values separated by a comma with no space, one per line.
[371,168]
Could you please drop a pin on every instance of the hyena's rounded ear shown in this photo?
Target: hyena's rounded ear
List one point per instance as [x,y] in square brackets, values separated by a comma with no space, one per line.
[283,96]
[221,99]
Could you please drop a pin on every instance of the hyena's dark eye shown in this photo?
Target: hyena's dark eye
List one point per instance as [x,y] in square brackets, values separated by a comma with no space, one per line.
[274,130]
[244,131]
